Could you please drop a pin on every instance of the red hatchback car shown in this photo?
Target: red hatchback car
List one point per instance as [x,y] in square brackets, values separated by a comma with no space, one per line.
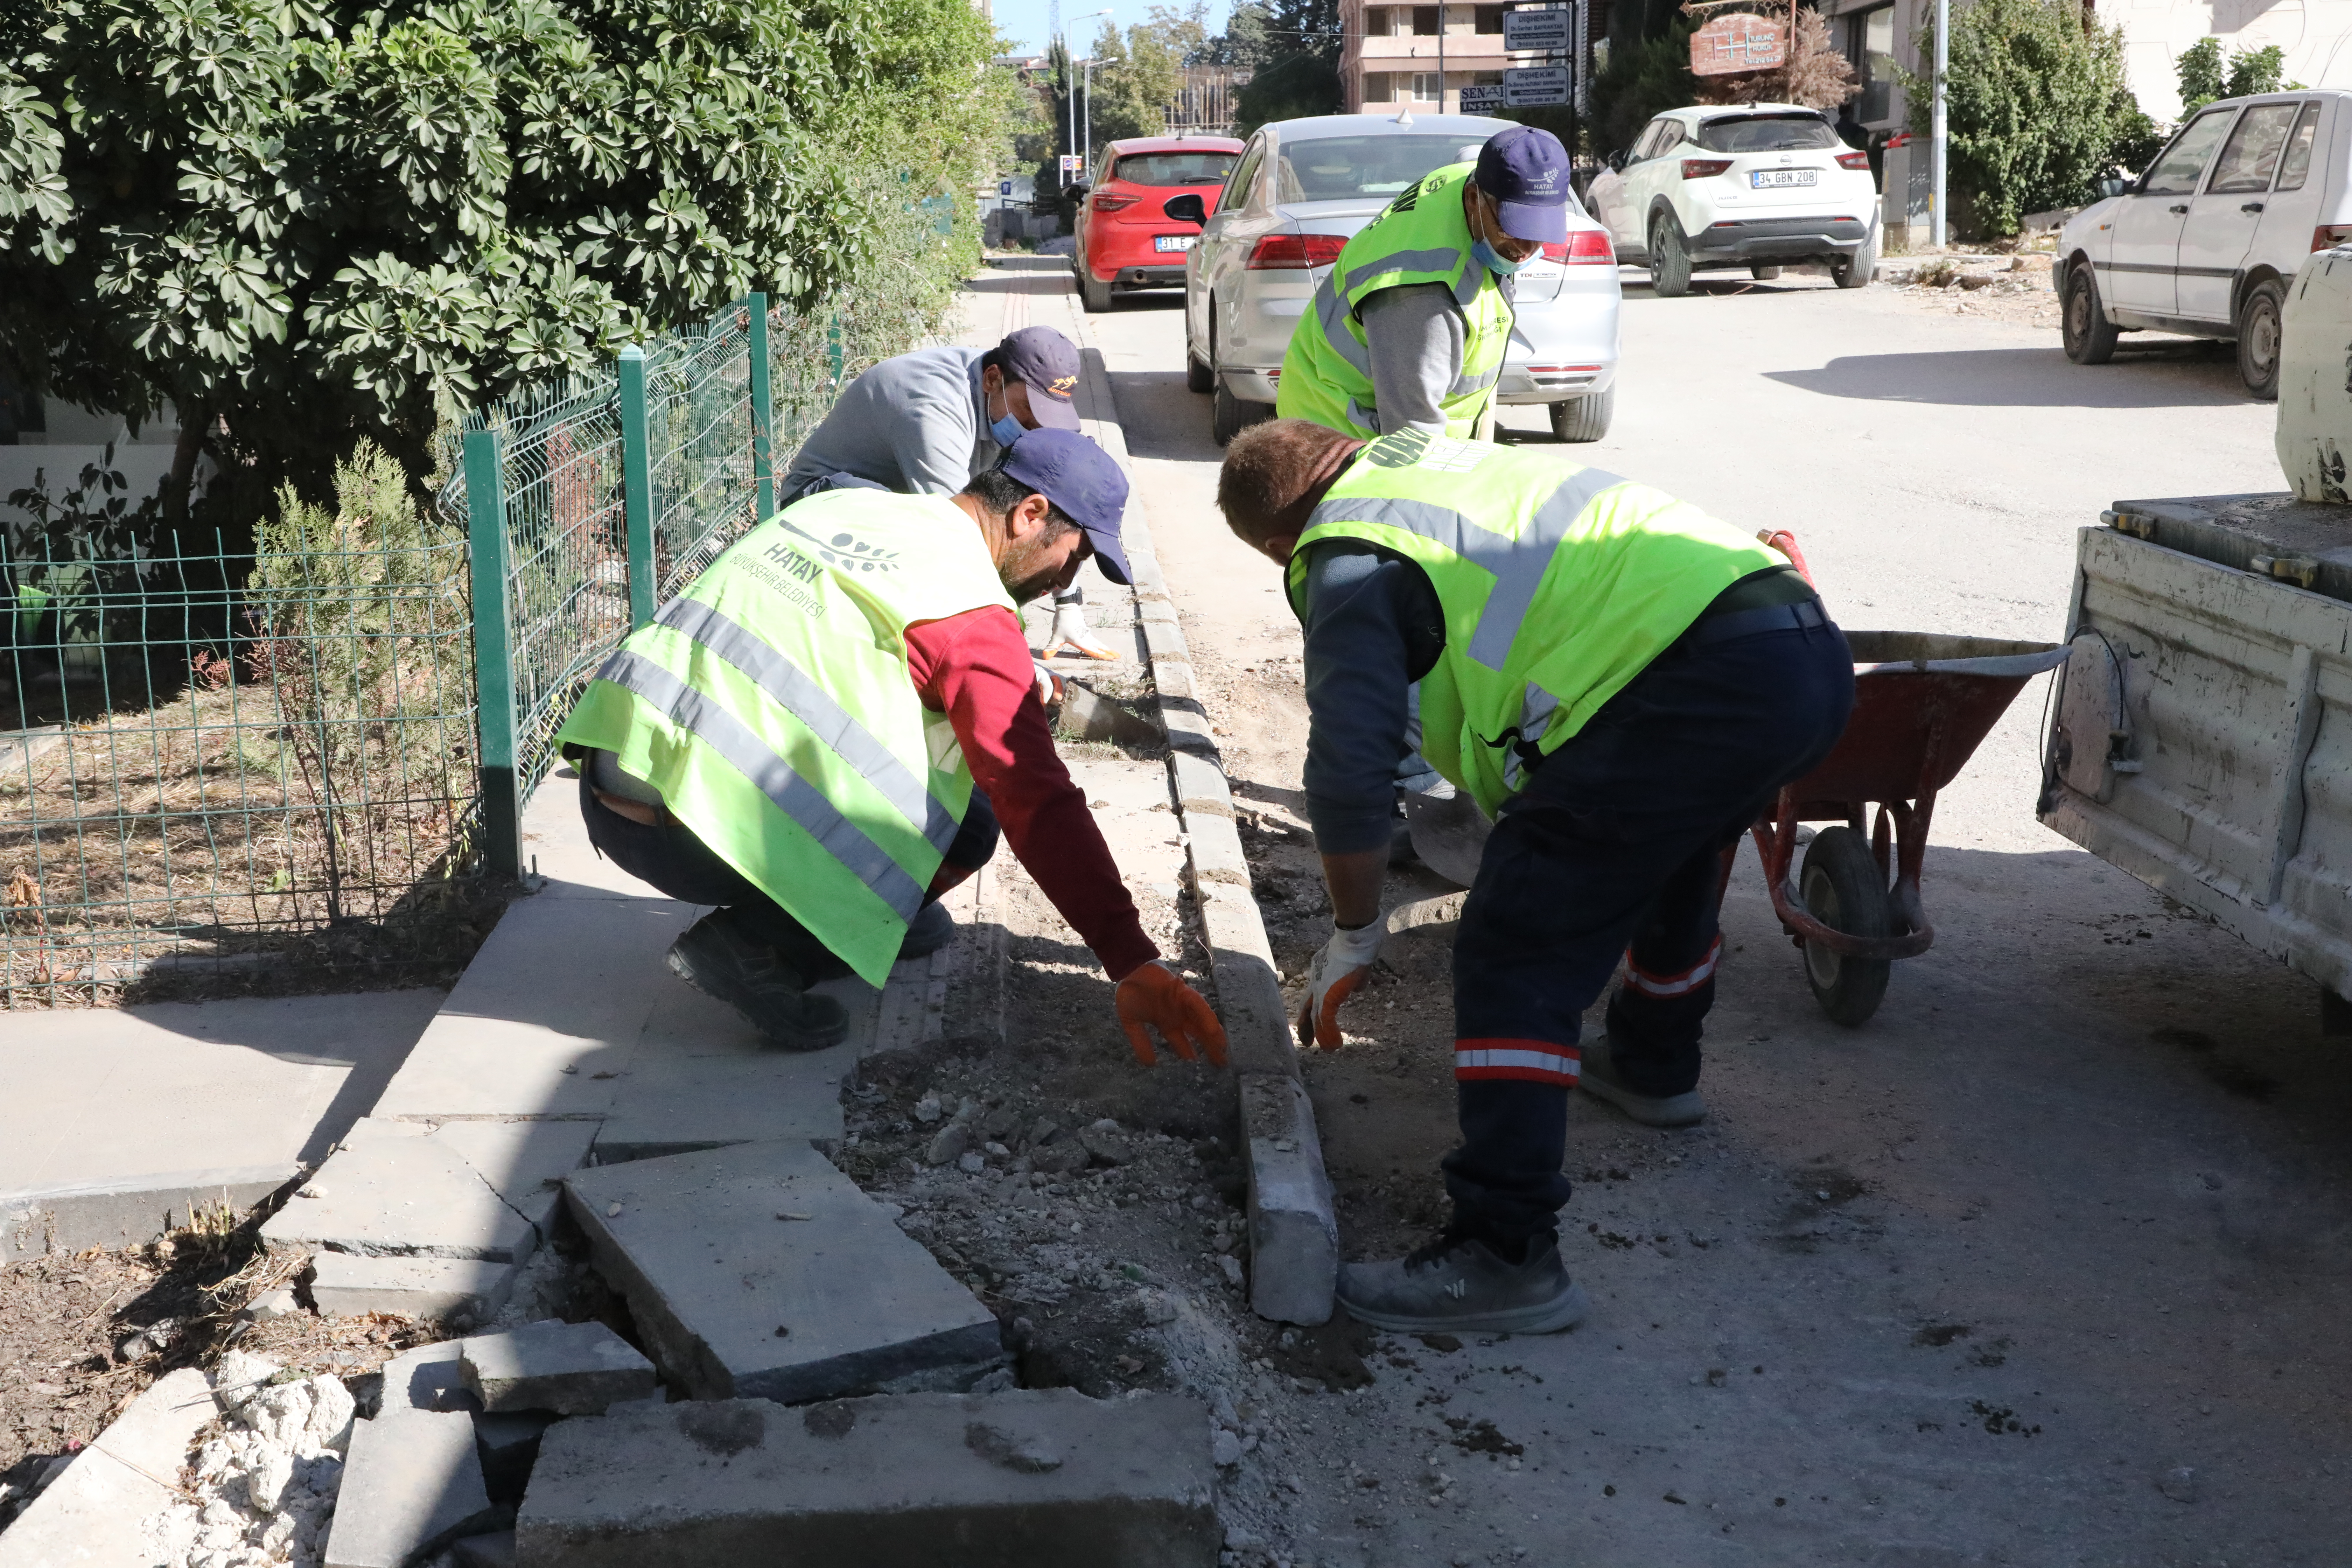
[1124,241]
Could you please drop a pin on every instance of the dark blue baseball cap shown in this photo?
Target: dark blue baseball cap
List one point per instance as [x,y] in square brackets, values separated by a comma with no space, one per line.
[1526,171]
[1079,477]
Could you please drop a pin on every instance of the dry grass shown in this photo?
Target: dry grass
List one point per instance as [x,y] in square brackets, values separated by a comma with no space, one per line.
[192,832]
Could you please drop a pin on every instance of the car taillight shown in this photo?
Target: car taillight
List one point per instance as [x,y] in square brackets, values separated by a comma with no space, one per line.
[1583,248]
[1106,203]
[1853,159]
[1279,251]
[2328,236]
[1704,168]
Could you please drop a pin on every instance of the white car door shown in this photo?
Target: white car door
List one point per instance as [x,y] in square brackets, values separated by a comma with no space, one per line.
[1216,263]
[2138,271]
[2222,217]
[1646,179]
[2293,210]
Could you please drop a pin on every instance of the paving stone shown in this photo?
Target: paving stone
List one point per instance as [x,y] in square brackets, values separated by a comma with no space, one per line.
[700,1080]
[94,1511]
[524,1162]
[558,995]
[412,1485]
[428,1379]
[441,1287]
[735,1303]
[1294,1229]
[572,1369]
[1027,1479]
[393,1190]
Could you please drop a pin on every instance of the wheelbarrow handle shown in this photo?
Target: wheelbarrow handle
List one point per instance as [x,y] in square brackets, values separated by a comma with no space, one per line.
[1781,540]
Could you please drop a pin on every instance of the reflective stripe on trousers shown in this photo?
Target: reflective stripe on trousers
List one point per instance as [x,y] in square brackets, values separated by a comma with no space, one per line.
[752,757]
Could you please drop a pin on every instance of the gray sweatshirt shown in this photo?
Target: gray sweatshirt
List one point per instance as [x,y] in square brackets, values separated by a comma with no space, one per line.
[917,424]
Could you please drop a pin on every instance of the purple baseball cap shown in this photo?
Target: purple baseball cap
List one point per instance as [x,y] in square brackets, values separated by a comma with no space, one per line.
[1048,362]
[1079,477]
[1526,171]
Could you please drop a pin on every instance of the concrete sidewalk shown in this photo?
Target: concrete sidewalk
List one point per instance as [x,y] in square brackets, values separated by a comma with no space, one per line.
[116,1120]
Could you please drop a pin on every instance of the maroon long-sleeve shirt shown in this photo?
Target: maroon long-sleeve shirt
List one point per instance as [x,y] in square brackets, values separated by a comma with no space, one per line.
[975,669]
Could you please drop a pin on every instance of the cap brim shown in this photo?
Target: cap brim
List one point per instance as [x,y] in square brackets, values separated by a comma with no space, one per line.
[1533,220]
[1052,413]
[1110,559]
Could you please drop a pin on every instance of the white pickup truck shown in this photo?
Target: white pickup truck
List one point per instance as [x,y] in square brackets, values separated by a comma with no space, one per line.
[2201,737]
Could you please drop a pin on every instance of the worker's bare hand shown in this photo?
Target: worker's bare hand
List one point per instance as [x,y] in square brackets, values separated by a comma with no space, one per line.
[1333,975]
[1157,995]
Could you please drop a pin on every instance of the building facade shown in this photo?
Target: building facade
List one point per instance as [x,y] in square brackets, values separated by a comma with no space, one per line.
[1418,57]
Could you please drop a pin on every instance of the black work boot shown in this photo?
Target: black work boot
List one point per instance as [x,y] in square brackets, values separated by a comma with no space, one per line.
[719,959]
[930,931]
[1460,1285]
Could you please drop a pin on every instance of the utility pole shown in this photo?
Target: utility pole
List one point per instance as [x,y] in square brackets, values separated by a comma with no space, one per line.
[1941,131]
[1441,56]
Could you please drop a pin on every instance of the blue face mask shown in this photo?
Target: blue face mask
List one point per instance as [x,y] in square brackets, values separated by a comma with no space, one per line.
[1007,430]
[1487,257]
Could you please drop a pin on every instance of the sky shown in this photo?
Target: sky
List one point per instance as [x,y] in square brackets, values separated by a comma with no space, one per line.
[1023,21]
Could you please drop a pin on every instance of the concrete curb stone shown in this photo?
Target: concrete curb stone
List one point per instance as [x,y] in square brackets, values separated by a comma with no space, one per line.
[572,1369]
[74,1219]
[444,1289]
[1027,1479]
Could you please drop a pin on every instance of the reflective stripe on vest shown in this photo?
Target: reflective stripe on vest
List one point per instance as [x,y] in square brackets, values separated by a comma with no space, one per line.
[810,703]
[1558,585]
[794,795]
[1327,372]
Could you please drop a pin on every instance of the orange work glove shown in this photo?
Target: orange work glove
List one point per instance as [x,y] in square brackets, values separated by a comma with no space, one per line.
[1336,972]
[1156,995]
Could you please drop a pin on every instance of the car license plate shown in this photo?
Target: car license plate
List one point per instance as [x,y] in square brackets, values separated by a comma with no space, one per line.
[1173,241]
[1765,179]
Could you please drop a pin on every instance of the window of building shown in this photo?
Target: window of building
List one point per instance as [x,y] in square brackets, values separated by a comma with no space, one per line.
[1870,44]
[1425,87]
[1380,22]
[1424,21]
[1490,18]
[1380,86]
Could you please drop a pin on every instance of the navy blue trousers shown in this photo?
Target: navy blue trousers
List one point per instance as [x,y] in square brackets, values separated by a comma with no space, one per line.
[1615,848]
[681,865]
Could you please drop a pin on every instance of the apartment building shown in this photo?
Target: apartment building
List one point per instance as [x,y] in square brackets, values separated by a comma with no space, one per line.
[1391,60]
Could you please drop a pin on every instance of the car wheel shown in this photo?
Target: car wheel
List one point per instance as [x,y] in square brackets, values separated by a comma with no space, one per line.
[2258,339]
[2089,336]
[1096,295]
[1670,262]
[1763,274]
[1855,272]
[1584,418]
[1196,372]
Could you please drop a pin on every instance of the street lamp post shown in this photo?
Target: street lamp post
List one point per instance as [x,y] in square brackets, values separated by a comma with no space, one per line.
[1940,130]
[1087,115]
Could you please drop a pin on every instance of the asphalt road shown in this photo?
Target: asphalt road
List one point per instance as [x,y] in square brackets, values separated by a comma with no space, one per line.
[2048,1264]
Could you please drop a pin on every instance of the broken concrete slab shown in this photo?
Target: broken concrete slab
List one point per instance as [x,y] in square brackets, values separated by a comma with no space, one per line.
[559,994]
[393,1190]
[736,1302]
[1029,1479]
[572,1369]
[458,1291]
[524,1162]
[509,1444]
[411,1486]
[701,1077]
[428,1379]
[95,1512]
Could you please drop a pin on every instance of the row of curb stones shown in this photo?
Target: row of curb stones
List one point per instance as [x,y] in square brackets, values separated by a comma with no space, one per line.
[1294,1226]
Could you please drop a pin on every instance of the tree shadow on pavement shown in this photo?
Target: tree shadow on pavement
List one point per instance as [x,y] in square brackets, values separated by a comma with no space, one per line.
[2174,373]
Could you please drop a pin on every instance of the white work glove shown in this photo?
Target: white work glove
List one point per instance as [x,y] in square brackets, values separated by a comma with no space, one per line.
[1336,972]
[1070,635]
[1049,685]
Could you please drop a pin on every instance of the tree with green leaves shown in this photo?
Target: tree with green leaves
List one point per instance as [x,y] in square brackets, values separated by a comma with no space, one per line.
[305,222]
[2034,101]
[2205,74]
[1292,48]
[1136,74]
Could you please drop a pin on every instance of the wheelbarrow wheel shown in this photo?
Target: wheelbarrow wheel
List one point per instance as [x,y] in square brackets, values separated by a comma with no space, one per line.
[1843,890]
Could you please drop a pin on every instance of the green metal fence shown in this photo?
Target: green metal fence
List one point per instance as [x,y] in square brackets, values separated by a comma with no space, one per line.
[304,767]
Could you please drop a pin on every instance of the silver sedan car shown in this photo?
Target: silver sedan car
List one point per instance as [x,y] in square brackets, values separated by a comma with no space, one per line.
[1301,189]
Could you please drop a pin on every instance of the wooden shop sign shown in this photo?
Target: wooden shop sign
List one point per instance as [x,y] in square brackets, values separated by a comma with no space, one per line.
[1737,41]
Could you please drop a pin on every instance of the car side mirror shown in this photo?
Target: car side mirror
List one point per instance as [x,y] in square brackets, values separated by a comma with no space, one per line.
[2113,187]
[1187,208]
[1079,193]
[1617,159]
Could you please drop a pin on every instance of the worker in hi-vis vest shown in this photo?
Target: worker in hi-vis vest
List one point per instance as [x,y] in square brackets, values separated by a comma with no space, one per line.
[821,733]
[1410,326]
[1623,683]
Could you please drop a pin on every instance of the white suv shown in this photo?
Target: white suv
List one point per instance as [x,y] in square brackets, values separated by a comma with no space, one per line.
[2207,241]
[1753,184]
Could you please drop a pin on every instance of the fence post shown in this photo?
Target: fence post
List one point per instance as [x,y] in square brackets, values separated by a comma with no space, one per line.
[486,502]
[763,412]
[636,486]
